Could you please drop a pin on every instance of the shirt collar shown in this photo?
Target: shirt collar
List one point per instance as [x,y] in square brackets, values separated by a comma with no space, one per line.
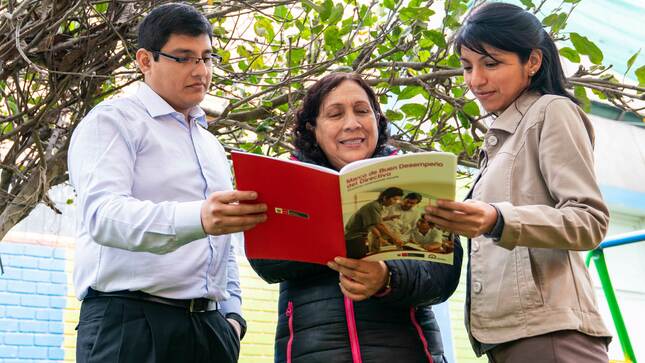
[157,106]
[511,117]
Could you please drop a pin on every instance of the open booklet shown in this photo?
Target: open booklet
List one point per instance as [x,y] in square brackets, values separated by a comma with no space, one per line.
[315,213]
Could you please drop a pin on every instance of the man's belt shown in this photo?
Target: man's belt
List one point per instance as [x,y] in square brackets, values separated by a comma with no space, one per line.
[199,305]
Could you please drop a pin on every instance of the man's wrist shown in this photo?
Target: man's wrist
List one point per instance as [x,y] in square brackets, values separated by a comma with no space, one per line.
[386,288]
[236,326]
[240,320]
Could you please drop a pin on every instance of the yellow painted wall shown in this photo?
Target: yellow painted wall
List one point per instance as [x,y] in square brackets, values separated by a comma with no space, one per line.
[259,306]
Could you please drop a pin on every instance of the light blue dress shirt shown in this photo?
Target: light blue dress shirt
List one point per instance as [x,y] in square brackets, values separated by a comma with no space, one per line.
[141,174]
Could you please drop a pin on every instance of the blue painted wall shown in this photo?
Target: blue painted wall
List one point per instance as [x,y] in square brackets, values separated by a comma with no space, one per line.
[33,293]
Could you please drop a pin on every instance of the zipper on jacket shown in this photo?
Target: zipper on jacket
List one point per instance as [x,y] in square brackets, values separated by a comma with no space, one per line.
[413,318]
[289,314]
[353,333]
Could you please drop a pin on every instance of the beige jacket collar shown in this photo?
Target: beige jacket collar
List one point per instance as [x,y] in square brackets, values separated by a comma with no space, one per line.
[511,117]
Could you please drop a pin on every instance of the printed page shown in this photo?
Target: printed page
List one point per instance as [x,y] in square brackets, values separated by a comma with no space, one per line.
[381,223]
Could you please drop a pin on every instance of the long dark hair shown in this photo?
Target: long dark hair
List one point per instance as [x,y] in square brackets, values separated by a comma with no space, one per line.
[305,137]
[513,29]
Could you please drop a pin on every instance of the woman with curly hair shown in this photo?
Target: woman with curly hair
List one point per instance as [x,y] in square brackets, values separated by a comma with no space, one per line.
[354,310]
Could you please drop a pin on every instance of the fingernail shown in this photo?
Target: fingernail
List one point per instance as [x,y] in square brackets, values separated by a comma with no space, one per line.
[338,260]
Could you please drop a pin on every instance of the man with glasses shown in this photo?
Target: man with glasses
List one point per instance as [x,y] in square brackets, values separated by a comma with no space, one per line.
[155,267]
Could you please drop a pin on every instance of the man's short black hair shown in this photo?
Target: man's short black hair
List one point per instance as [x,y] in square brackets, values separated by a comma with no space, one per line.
[168,19]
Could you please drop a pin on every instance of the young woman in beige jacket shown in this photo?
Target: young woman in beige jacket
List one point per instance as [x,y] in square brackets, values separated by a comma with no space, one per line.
[535,202]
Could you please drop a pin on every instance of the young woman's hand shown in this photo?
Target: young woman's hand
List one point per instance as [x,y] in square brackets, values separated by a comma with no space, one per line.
[470,218]
[359,279]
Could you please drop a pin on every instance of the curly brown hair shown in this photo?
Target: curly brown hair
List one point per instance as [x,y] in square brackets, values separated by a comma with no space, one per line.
[304,133]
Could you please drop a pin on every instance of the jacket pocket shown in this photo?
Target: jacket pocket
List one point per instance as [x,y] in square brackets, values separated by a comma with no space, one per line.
[530,294]
[289,314]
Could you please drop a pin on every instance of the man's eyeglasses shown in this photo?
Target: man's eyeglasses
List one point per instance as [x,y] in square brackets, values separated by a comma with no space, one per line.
[207,60]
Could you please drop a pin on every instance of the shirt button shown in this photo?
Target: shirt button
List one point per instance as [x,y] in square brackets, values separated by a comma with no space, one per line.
[477,287]
[475,246]
[492,140]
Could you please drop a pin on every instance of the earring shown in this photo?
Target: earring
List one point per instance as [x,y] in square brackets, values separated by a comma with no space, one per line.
[532,73]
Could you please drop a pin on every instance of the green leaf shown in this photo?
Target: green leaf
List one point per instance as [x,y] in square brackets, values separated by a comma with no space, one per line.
[436,37]
[242,65]
[308,5]
[581,95]
[389,4]
[410,14]
[296,56]
[263,27]
[559,23]
[640,74]
[587,47]
[220,31]
[471,109]
[281,12]
[393,115]
[243,52]
[284,107]
[263,126]
[347,26]
[336,14]
[12,105]
[549,20]
[631,60]
[409,92]
[556,21]
[465,122]
[570,54]
[73,25]
[572,1]
[332,39]
[426,43]
[424,55]
[454,61]
[447,109]
[415,110]
[528,4]
[600,94]
[325,10]
[251,147]
[225,54]
[6,127]
[101,8]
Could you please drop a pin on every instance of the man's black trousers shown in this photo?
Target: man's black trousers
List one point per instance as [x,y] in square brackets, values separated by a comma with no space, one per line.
[116,329]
